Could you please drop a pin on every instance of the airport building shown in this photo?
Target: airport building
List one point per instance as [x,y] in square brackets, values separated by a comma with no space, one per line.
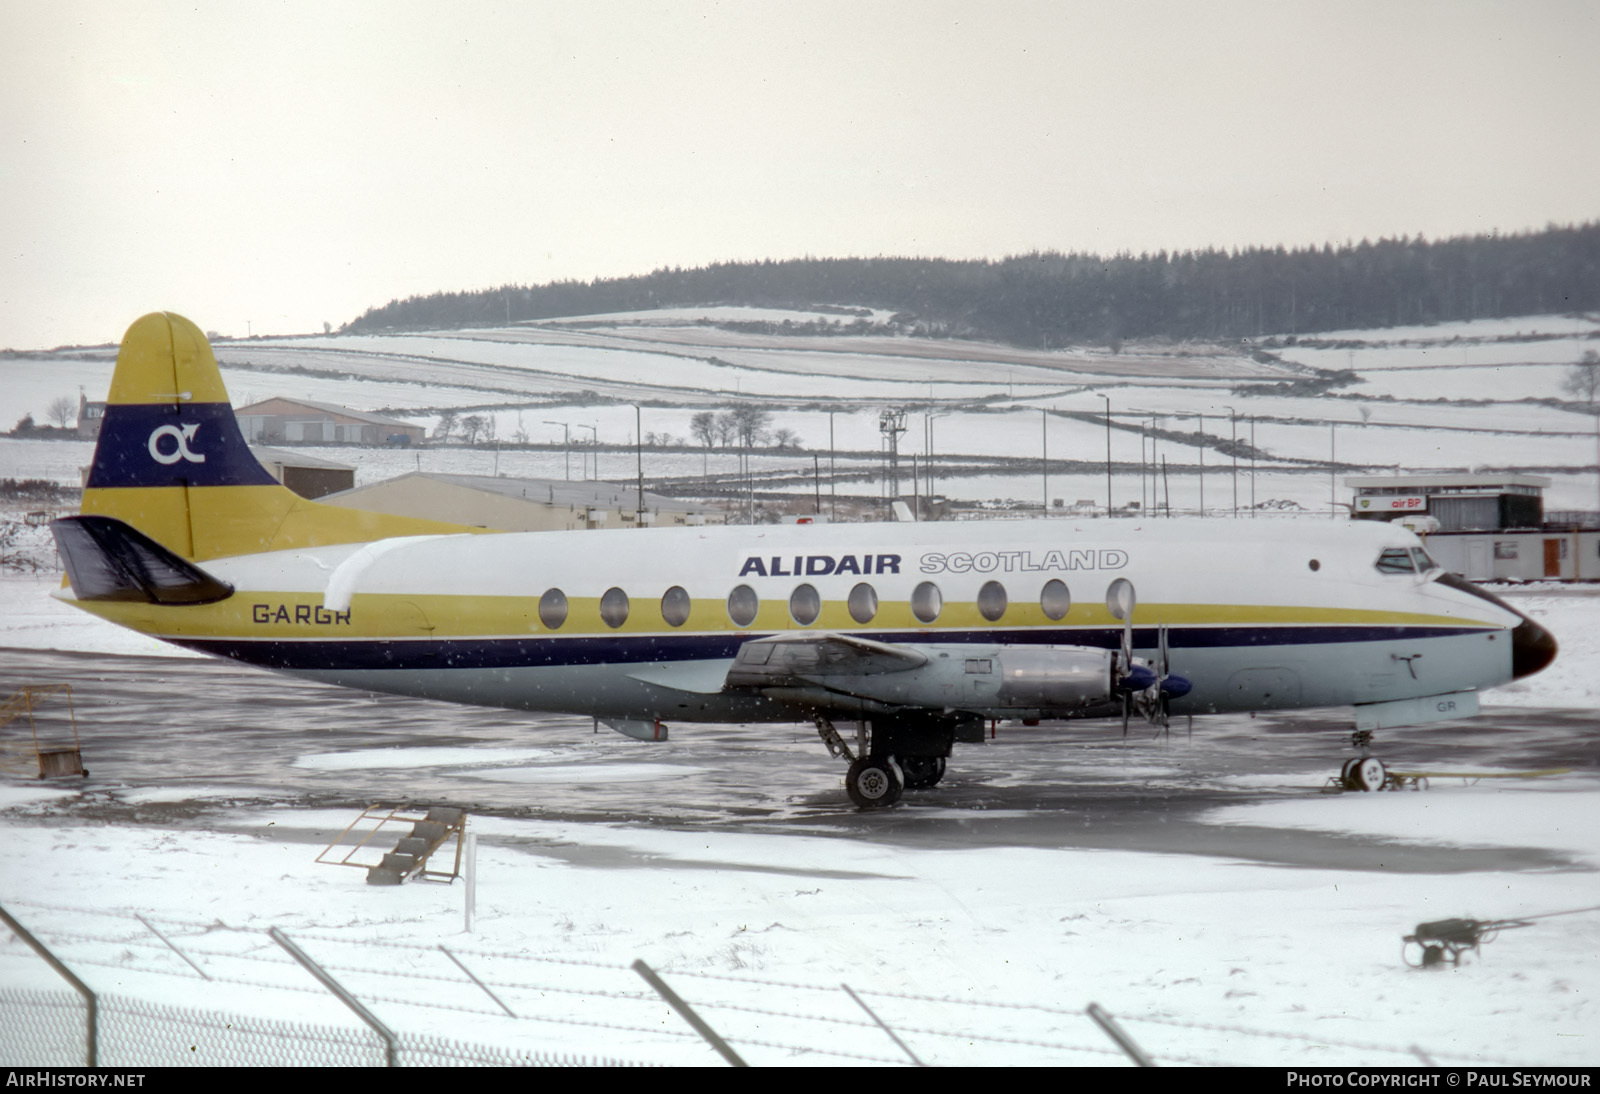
[304,422]
[523,505]
[307,476]
[1485,527]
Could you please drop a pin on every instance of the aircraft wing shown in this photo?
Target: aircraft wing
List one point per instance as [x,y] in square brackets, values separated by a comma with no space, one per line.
[787,659]
[697,677]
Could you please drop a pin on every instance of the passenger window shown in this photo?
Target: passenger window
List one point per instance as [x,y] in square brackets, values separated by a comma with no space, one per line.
[614,607]
[927,602]
[742,605]
[863,603]
[1055,599]
[675,606]
[992,601]
[1396,560]
[805,605]
[553,608]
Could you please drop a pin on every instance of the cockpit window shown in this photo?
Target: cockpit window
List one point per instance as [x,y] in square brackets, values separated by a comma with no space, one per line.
[1423,560]
[1396,560]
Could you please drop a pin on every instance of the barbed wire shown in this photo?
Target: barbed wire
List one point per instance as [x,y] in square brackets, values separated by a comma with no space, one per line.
[499,970]
[1284,1035]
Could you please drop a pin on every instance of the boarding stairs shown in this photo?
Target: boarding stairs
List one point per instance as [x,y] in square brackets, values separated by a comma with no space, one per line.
[415,850]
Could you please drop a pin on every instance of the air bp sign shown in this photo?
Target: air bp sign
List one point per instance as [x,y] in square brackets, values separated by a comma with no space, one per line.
[1393,503]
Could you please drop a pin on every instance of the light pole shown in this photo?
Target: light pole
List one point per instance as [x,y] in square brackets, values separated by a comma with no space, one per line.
[595,441]
[1107,398]
[1333,471]
[1044,456]
[833,475]
[927,465]
[566,445]
[1234,447]
[638,454]
[1202,418]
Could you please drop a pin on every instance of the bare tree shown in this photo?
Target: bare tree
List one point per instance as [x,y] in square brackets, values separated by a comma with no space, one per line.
[703,426]
[471,426]
[61,410]
[750,424]
[1583,379]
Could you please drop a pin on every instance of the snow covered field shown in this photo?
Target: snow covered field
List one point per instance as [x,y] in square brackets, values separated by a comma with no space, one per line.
[1433,398]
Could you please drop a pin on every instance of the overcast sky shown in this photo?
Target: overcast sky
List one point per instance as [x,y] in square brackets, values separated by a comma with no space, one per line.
[269,167]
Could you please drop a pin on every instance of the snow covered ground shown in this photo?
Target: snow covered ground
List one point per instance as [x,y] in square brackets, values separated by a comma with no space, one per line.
[980,948]
[976,949]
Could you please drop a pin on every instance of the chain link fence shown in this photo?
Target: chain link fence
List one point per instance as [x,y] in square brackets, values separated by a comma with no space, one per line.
[194,993]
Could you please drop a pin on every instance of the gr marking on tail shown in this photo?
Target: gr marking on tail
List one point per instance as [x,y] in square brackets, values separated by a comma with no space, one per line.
[915,633]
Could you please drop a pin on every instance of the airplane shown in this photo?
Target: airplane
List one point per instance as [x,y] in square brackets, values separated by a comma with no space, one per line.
[917,633]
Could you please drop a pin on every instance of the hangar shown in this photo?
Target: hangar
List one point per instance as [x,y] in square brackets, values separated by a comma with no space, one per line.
[303,421]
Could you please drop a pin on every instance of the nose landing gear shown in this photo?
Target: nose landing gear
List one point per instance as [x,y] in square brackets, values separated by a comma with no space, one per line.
[1364,772]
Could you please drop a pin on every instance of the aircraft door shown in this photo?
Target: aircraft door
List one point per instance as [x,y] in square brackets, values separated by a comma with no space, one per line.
[1479,566]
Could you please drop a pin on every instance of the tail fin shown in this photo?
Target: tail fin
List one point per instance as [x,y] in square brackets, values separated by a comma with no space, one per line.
[172,462]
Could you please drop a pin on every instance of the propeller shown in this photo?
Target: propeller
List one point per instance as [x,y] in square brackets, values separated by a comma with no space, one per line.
[1148,689]
[1168,685]
[1131,678]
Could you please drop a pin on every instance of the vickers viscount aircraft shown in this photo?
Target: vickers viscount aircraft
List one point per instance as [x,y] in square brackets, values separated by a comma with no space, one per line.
[917,633]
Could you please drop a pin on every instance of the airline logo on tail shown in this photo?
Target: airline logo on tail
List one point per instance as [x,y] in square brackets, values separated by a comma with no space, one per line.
[155,444]
[182,435]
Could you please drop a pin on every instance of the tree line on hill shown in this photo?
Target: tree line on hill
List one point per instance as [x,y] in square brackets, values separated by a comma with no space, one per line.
[1049,299]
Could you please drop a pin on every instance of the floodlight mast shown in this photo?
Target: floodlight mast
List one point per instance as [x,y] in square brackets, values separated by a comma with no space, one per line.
[892,423]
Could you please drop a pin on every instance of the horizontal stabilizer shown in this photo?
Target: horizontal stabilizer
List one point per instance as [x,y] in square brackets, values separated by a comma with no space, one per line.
[108,560]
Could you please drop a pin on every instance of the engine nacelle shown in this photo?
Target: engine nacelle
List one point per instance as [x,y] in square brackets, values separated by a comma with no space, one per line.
[1055,677]
[860,675]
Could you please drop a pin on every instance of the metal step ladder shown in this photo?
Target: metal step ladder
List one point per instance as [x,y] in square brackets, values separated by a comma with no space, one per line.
[412,853]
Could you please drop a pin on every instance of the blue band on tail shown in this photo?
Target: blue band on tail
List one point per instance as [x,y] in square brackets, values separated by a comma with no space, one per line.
[166,445]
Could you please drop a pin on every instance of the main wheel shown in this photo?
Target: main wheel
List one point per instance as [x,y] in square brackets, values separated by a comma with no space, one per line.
[874,781]
[922,772]
[1366,774]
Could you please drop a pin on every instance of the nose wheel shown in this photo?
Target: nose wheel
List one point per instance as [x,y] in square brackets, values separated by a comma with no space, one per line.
[1366,773]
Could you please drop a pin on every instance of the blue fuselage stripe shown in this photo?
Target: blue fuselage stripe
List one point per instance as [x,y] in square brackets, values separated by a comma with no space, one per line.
[555,651]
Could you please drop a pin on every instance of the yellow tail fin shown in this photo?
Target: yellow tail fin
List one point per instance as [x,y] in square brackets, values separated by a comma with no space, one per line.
[172,462]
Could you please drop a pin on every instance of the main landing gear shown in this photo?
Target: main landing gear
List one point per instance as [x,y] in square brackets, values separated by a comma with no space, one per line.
[897,757]
[874,780]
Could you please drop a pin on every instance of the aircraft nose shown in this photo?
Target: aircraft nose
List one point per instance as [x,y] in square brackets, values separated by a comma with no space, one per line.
[1532,648]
